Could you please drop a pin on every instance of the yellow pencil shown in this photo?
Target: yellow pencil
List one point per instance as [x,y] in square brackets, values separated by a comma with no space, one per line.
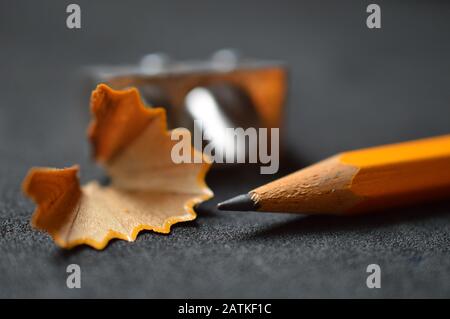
[358,181]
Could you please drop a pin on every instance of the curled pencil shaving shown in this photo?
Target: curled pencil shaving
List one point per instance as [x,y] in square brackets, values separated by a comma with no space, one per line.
[147,190]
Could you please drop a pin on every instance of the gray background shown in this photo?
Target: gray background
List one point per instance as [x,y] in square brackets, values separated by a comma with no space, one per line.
[350,87]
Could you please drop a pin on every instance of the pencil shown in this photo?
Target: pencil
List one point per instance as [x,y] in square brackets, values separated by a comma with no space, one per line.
[358,181]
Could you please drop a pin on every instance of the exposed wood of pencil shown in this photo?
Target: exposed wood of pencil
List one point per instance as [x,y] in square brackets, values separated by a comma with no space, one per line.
[363,180]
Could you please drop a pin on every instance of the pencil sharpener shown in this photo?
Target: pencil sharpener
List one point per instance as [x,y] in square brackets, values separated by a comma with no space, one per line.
[224,91]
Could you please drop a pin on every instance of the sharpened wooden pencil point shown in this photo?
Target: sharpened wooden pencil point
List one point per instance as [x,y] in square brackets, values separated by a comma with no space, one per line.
[359,181]
[238,203]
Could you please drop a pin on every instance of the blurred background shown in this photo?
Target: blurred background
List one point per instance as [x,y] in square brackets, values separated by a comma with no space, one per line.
[349,87]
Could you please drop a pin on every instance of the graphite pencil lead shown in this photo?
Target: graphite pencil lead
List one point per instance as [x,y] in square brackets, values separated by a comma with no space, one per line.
[238,203]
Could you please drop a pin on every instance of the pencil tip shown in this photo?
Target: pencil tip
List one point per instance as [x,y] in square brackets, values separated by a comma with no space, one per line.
[238,203]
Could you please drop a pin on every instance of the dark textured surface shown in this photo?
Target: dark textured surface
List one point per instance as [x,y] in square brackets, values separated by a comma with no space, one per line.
[351,87]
